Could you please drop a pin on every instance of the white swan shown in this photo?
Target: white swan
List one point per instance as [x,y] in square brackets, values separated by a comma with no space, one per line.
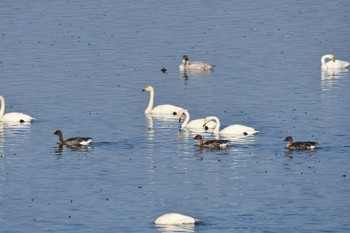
[160,109]
[175,219]
[13,116]
[194,65]
[194,124]
[333,63]
[232,129]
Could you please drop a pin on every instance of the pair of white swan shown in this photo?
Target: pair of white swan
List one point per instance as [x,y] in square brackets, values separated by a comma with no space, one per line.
[160,109]
[194,65]
[194,124]
[333,64]
[12,116]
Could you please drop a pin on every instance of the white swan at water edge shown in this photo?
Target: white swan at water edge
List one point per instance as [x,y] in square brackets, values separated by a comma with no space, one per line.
[194,65]
[175,219]
[231,129]
[333,63]
[194,124]
[12,116]
[160,109]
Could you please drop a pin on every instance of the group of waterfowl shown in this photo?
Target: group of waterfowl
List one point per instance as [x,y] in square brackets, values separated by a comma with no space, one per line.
[210,123]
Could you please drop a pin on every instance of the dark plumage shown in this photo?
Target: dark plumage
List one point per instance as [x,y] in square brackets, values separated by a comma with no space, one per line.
[211,143]
[76,141]
[299,145]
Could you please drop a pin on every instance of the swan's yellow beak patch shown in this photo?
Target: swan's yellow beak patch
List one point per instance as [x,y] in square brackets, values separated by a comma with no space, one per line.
[146,89]
[205,122]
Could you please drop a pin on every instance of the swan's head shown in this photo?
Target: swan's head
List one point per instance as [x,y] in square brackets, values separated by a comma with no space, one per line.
[288,139]
[180,113]
[198,137]
[205,122]
[149,88]
[328,56]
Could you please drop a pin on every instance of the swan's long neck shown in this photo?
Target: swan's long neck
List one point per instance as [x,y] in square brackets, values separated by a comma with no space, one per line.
[324,57]
[187,119]
[217,121]
[2,110]
[150,104]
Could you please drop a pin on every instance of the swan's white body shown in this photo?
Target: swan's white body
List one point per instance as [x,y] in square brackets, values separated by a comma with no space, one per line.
[194,124]
[175,219]
[160,109]
[194,65]
[232,129]
[12,116]
[333,63]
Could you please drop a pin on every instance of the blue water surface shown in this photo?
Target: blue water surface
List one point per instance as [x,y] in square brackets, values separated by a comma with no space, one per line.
[80,66]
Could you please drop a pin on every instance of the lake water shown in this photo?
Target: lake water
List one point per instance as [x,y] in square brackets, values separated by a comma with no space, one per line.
[80,67]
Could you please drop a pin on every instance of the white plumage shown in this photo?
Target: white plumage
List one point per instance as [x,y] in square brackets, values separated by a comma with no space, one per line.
[236,129]
[333,63]
[160,109]
[196,124]
[175,219]
[12,116]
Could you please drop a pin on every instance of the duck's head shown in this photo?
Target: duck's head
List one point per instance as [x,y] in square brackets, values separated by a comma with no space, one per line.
[198,137]
[57,132]
[288,139]
[185,57]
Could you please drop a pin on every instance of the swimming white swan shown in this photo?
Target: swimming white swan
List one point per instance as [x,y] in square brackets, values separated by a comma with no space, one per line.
[194,124]
[77,141]
[333,63]
[13,116]
[194,65]
[160,109]
[232,129]
[175,219]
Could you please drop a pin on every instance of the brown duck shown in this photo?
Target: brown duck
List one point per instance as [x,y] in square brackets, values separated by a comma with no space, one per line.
[211,143]
[76,141]
[299,145]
